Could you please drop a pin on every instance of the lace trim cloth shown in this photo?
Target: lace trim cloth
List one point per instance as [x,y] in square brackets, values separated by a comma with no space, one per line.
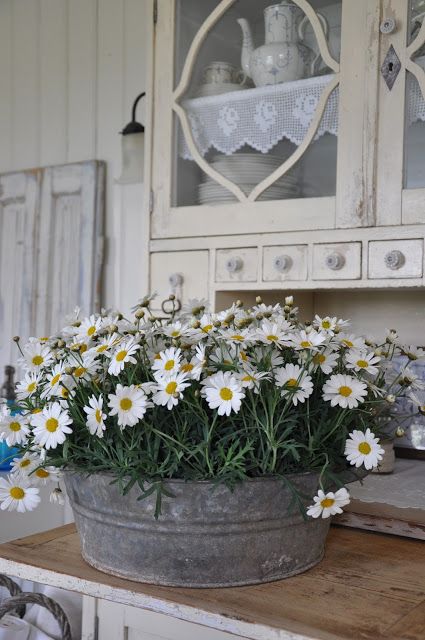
[263,116]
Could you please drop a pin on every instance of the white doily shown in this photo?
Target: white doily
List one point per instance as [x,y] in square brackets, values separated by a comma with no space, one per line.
[263,116]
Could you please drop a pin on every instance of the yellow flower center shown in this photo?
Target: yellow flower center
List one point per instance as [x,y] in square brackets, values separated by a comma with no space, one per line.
[126,404]
[55,379]
[363,364]
[226,393]
[272,338]
[345,391]
[238,337]
[365,448]
[15,426]
[38,410]
[157,356]
[292,382]
[31,387]
[83,348]
[327,502]
[121,355]
[175,333]
[207,328]
[51,425]
[248,379]
[305,344]
[37,360]
[171,388]
[98,415]
[186,367]
[347,343]
[319,358]
[24,463]
[91,330]
[64,392]
[102,348]
[17,493]
[326,324]
[169,365]
[79,371]
[243,356]
[42,473]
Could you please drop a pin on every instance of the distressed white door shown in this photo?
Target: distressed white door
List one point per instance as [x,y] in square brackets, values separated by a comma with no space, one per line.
[19,198]
[70,241]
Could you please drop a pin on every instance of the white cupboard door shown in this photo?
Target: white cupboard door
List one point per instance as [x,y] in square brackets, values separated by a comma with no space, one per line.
[69,242]
[121,622]
[18,207]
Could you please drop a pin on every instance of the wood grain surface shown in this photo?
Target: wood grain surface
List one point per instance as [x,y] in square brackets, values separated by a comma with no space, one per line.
[369,586]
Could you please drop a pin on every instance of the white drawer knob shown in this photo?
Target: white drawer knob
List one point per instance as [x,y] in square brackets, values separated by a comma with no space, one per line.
[394,259]
[387,25]
[234,264]
[335,261]
[176,280]
[282,263]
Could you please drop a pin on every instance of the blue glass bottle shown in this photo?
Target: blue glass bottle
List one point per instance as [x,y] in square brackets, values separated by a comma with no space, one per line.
[8,393]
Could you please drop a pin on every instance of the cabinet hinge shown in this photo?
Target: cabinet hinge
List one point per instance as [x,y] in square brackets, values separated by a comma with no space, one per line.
[96,628]
[155,11]
[151,201]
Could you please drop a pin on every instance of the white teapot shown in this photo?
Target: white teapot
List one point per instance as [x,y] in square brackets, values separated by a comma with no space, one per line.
[284,56]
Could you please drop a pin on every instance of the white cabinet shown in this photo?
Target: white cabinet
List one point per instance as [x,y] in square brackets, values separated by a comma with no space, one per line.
[326,163]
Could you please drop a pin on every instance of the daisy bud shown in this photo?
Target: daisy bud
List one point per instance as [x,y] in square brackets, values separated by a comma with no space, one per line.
[56,496]
[61,344]
[267,314]
[196,324]
[69,371]
[197,393]
[258,300]
[230,318]
[336,330]
[391,336]
[77,323]
[289,300]
[16,339]
[112,328]
[171,297]
[400,432]
[260,316]
[378,352]
[75,347]
[390,398]
[239,303]
[421,409]
[139,314]
[287,309]
[217,324]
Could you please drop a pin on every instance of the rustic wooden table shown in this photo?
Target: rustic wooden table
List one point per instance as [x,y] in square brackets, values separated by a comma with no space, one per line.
[369,586]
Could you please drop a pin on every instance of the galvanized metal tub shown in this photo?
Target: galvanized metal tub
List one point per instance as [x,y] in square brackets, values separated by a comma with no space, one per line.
[207,535]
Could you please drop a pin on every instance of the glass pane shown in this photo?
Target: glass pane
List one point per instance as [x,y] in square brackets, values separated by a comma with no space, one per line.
[254,91]
[414,166]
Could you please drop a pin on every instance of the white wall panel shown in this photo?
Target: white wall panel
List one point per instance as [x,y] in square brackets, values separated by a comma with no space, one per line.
[6,86]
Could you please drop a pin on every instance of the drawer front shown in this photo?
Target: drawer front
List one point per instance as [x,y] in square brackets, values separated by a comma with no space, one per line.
[285,263]
[339,261]
[184,273]
[236,265]
[396,259]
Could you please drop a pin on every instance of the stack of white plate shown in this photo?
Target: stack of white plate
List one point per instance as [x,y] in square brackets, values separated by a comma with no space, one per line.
[247,170]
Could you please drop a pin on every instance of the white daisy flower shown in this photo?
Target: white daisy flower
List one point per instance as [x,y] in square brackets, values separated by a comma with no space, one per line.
[28,386]
[13,429]
[51,426]
[326,324]
[86,367]
[411,380]
[274,332]
[344,391]
[267,310]
[204,327]
[295,382]
[123,354]
[37,356]
[89,328]
[169,390]
[362,361]
[311,340]
[168,363]
[129,404]
[413,353]
[95,416]
[243,337]
[22,467]
[326,360]
[328,504]
[223,391]
[56,496]
[192,368]
[391,336]
[251,379]
[106,344]
[43,475]
[53,381]
[194,307]
[17,495]
[351,341]
[174,330]
[363,448]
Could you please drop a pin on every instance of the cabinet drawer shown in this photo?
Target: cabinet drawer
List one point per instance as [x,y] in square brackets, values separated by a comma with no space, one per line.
[184,273]
[236,265]
[396,259]
[339,261]
[285,263]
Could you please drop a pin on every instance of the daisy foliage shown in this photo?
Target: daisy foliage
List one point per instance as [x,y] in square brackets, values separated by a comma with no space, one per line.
[228,396]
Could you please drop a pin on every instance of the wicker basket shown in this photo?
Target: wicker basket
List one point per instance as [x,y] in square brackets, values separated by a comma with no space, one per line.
[19,599]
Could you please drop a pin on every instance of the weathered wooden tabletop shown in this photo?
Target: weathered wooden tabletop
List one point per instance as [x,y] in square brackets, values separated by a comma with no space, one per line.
[369,586]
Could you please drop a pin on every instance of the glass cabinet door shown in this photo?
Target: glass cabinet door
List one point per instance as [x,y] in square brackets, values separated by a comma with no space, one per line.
[256,102]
